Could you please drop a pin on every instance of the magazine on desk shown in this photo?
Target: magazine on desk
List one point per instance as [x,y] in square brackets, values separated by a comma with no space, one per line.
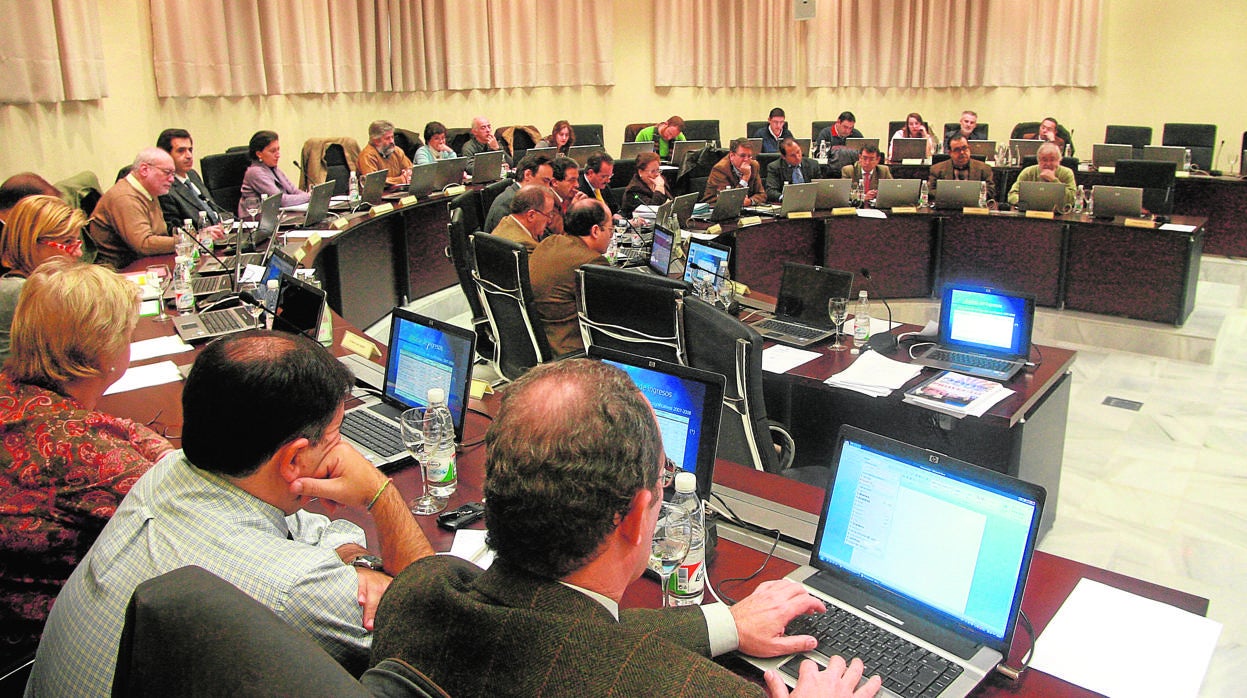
[957,394]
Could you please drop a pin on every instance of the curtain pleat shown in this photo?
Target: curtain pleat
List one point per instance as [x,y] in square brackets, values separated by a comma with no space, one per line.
[724,43]
[51,51]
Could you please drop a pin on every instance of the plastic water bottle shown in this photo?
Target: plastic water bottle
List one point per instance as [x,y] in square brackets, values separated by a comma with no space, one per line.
[924,195]
[183,293]
[1090,207]
[1186,161]
[726,292]
[688,584]
[443,477]
[861,319]
[1080,200]
[188,238]
[983,194]
[354,189]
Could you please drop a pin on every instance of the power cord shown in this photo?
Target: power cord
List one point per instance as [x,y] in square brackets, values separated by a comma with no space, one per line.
[734,518]
[1014,673]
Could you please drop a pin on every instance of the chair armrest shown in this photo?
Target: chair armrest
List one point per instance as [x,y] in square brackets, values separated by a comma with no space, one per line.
[787,447]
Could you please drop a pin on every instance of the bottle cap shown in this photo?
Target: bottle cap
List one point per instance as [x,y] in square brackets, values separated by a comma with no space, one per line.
[436,395]
[272,284]
[686,482]
[861,294]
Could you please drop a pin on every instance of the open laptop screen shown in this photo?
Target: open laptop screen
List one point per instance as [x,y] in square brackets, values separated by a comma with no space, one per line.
[986,320]
[278,263]
[660,251]
[426,353]
[688,403]
[703,261]
[942,535]
[804,291]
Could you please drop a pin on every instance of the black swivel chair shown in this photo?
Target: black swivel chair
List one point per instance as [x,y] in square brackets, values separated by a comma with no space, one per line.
[635,313]
[718,342]
[954,126]
[1154,177]
[500,272]
[223,175]
[701,130]
[456,138]
[588,134]
[1134,136]
[460,252]
[408,141]
[469,204]
[751,127]
[815,128]
[337,169]
[1022,128]
[1200,138]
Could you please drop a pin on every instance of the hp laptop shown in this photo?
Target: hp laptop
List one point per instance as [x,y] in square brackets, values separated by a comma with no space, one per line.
[801,317]
[433,177]
[581,153]
[922,561]
[954,193]
[727,207]
[1117,201]
[900,192]
[859,143]
[805,145]
[1041,196]
[798,198]
[279,264]
[1105,155]
[423,353]
[755,145]
[372,187]
[252,238]
[682,207]
[297,309]
[983,150]
[1026,147]
[681,149]
[317,207]
[1165,153]
[703,261]
[660,251]
[909,149]
[629,151]
[487,167]
[550,152]
[983,332]
[832,193]
[688,403]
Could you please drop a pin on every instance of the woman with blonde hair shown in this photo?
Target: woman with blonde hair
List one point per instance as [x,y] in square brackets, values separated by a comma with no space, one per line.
[65,466]
[39,228]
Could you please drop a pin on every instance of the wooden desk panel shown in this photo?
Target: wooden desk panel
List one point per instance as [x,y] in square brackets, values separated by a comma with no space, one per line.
[897,251]
[1010,252]
[761,250]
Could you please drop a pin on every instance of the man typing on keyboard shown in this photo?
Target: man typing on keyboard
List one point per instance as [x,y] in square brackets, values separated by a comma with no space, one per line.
[261,416]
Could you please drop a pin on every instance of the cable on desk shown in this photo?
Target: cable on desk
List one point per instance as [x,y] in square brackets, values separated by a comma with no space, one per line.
[1015,673]
[734,518]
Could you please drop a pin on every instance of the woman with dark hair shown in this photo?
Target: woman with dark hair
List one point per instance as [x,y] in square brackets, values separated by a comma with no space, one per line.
[914,127]
[435,147]
[264,178]
[647,188]
[562,137]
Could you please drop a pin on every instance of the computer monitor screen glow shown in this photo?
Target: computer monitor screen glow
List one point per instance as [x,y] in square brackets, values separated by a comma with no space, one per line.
[703,261]
[428,354]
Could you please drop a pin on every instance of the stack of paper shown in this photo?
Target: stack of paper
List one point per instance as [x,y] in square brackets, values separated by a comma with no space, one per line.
[875,375]
[957,394]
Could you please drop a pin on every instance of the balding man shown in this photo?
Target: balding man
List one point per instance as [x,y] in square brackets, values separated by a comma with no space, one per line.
[532,209]
[127,223]
[482,139]
[382,154]
[552,270]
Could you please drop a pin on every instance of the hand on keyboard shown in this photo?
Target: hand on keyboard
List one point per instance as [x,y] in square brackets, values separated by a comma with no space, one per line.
[838,680]
[761,619]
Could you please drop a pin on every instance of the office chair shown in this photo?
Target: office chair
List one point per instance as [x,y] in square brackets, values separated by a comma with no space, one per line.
[718,342]
[701,130]
[469,204]
[460,253]
[1200,138]
[500,273]
[337,169]
[1154,177]
[751,127]
[588,134]
[624,171]
[1134,136]
[635,313]
[1022,128]
[815,127]
[456,138]
[631,130]
[408,141]
[223,175]
[188,632]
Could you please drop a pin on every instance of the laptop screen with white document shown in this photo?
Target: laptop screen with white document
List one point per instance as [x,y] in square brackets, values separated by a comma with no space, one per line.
[703,261]
[426,353]
[986,320]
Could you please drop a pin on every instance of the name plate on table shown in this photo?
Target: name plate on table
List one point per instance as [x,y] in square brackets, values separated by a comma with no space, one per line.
[1138,223]
[300,253]
[380,210]
[904,209]
[975,211]
[714,229]
[407,200]
[800,214]
[455,190]
[748,221]
[1041,214]
[913,161]
[844,211]
[313,239]
[359,345]
[340,223]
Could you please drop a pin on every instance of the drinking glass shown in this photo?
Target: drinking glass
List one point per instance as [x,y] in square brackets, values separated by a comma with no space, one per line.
[838,309]
[257,311]
[251,204]
[421,436]
[157,277]
[672,536]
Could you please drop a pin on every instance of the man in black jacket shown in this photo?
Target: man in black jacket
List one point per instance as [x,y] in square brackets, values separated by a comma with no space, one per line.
[188,195]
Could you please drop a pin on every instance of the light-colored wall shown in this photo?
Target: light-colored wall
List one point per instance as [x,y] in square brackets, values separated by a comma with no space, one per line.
[1158,63]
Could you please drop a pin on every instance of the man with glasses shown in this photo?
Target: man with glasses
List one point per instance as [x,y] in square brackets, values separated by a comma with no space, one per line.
[552,270]
[127,222]
[532,210]
[533,169]
[960,166]
[736,169]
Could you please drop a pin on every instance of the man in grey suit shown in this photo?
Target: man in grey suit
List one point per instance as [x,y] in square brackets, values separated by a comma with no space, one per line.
[573,475]
[790,168]
[188,195]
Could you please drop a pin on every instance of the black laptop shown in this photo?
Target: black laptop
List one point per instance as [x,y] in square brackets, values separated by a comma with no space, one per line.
[801,317]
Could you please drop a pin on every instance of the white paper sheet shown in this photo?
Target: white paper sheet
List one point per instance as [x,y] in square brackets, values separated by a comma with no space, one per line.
[870,213]
[874,374]
[158,346]
[782,359]
[145,376]
[1119,644]
[469,544]
[1178,227]
[149,309]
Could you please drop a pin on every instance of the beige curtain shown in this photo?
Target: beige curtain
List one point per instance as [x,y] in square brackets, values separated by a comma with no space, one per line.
[50,51]
[551,43]
[725,43]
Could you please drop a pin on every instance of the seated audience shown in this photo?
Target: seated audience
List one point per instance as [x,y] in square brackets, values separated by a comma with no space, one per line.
[1049,169]
[573,484]
[532,209]
[914,127]
[231,501]
[562,136]
[968,127]
[382,154]
[1048,132]
[435,147]
[66,465]
[647,188]
[837,134]
[20,186]
[595,180]
[565,181]
[867,171]
[533,169]
[127,222]
[483,139]
[960,166]
[552,270]
[791,168]
[40,228]
[736,169]
[188,195]
[264,178]
[775,131]
[664,135]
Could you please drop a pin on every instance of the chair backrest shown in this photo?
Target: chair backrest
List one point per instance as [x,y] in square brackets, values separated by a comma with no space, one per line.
[1135,136]
[718,342]
[1154,177]
[1024,127]
[456,138]
[588,134]
[752,127]
[460,252]
[701,130]
[1200,138]
[815,128]
[223,175]
[635,313]
[893,127]
[950,126]
[337,169]
[500,271]
[469,205]
[409,141]
[624,171]
[631,130]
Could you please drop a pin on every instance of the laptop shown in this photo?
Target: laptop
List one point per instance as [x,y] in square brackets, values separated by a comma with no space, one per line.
[955,193]
[372,187]
[423,353]
[805,146]
[1117,201]
[265,227]
[983,150]
[660,250]
[317,208]
[581,153]
[682,207]
[688,403]
[902,192]
[1165,153]
[925,551]
[433,177]
[727,207]
[858,143]
[703,261]
[681,149]
[909,149]
[798,198]
[832,193]
[487,167]
[801,317]
[755,145]
[1026,147]
[629,151]
[1041,196]
[1105,155]
[983,332]
[299,304]
[279,263]
[549,151]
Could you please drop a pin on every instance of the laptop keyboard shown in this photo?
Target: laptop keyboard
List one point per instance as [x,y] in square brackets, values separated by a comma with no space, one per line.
[967,359]
[906,668]
[379,436]
[204,285]
[789,328]
[222,321]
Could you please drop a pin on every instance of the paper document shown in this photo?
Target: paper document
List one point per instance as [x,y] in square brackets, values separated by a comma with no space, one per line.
[149,308]
[158,346]
[874,374]
[782,359]
[469,544]
[1110,641]
[870,213]
[146,376]
[1178,227]
[305,234]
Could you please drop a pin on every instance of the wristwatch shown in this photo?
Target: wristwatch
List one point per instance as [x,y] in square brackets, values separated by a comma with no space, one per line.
[371,562]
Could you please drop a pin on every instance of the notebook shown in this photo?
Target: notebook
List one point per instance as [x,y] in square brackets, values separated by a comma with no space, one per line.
[832,193]
[801,317]
[688,404]
[581,153]
[660,250]
[703,261]
[909,149]
[1026,147]
[983,332]
[265,227]
[1117,201]
[858,143]
[682,207]
[423,353]
[755,145]
[681,149]
[487,167]
[297,310]
[317,207]
[899,192]
[984,150]
[798,198]
[726,207]
[433,177]
[1106,155]
[1041,196]
[372,187]
[629,151]
[956,193]
[923,550]
[1165,153]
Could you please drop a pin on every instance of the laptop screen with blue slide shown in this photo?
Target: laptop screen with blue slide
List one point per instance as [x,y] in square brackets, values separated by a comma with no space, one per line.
[660,251]
[426,353]
[986,320]
[278,263]
[688,403]
[703,261]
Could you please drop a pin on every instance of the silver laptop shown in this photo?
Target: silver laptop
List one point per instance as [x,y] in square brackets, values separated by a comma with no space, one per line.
[922,561]
[801,317]
[423,353]
[898,192]
[799,198]
[682,207]
[955,193]
[909,149]
[1117,201]
[1026,147]
[549,151]
[435,176]
[1166,153]
[832,193]
[983,332]
[581,153]
[1106,155]
[983,149]
[298,310]
[629,151]
[755,145]
[858,143]
[726,207]
[805,146]
[487,167]
[372,187]
[317,207]
[1041,196]
[681,149]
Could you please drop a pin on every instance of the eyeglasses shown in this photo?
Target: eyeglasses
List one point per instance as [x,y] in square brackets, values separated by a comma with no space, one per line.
[548,214]
[68,247]
[669,469]
[960,149]
[168,172]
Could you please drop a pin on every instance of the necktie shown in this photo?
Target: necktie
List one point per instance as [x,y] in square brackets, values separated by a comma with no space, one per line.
[865,181]
[797,176]
[202,202]
[598,194]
